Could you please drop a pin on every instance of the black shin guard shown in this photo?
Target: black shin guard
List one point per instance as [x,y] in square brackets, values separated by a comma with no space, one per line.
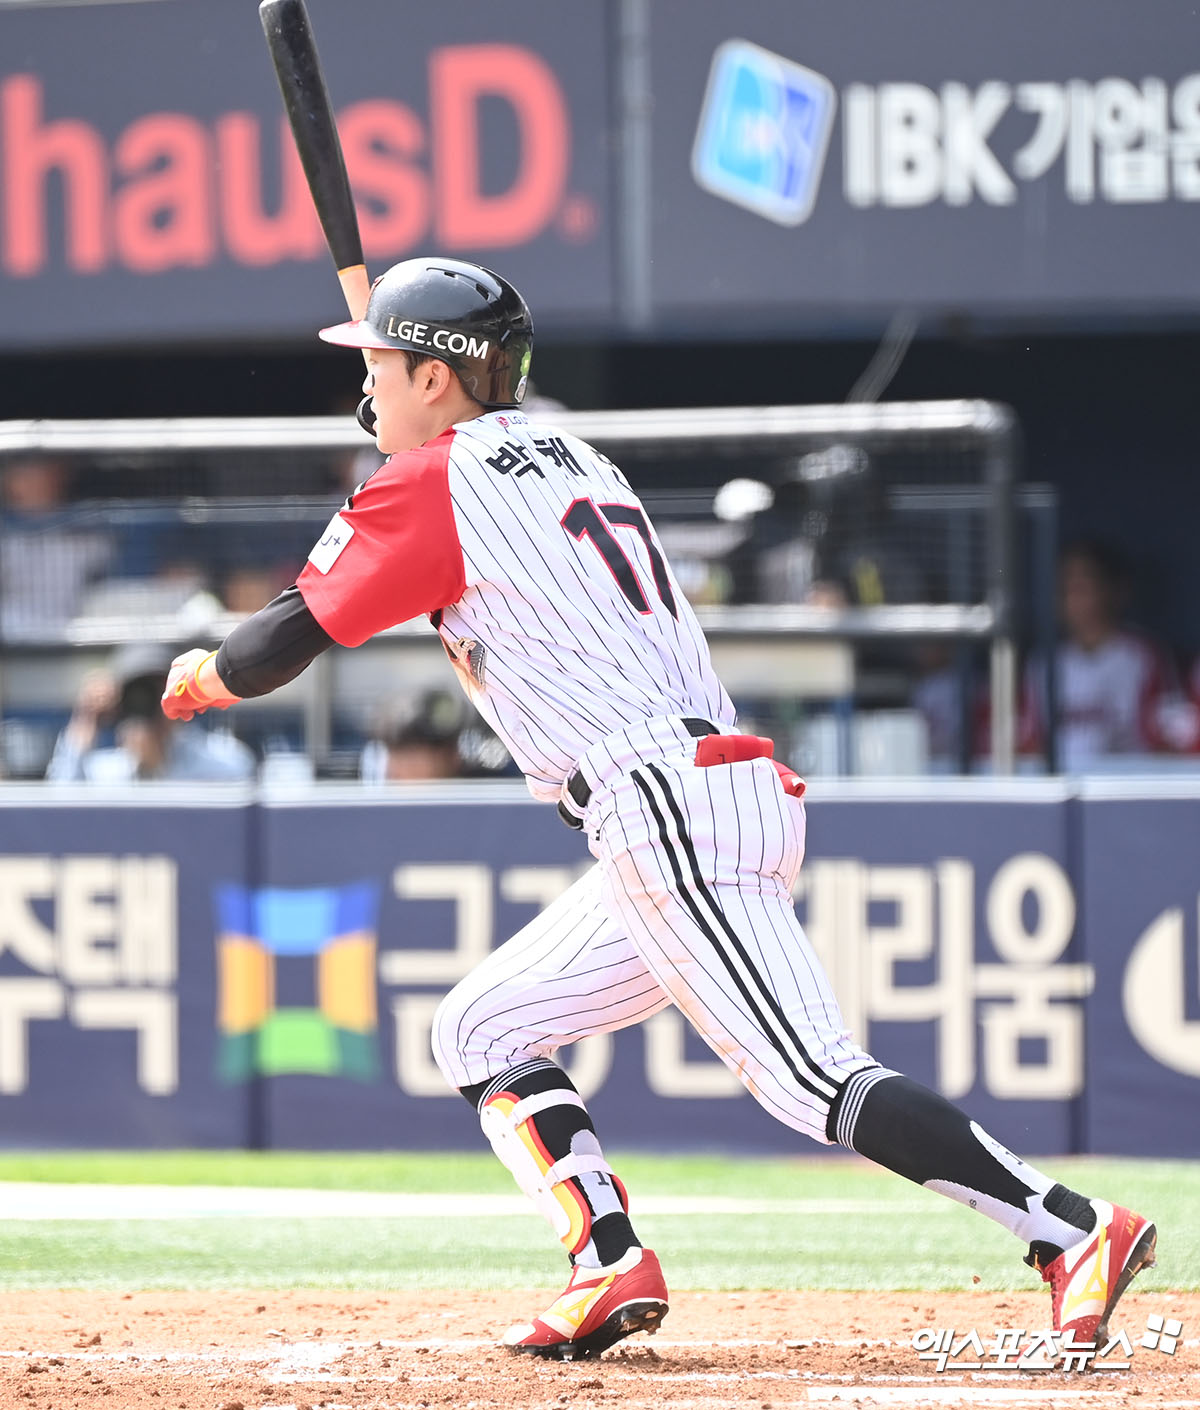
[562,1129]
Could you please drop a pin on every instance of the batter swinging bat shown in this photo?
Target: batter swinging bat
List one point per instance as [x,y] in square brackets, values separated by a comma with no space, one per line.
[306,100]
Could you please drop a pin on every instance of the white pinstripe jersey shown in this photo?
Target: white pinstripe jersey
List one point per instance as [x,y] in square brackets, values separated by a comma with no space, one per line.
[541,572]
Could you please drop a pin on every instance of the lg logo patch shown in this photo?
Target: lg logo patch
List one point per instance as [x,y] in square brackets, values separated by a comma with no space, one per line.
[335,538]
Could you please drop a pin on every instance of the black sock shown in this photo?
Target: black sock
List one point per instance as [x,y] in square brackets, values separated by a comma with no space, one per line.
[909,1129]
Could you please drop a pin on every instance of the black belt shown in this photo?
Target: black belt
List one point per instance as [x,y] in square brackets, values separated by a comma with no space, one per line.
[581,791]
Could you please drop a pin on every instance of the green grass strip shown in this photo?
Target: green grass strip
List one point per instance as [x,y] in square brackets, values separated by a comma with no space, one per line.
[899,1250]
[1127,1181]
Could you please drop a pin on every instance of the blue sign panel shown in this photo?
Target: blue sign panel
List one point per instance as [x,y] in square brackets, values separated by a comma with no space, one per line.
[1140,890]
[948,931]
[107,993]
[819,165]
[267,975]
[448,883]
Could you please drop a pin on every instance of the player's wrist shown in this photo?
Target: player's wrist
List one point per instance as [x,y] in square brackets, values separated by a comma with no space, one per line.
[205,684]
[194,685]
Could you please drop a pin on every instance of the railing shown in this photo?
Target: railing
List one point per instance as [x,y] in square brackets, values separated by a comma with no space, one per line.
[952,463]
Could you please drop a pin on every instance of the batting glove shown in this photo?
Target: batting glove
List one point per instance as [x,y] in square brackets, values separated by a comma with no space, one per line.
[183,698]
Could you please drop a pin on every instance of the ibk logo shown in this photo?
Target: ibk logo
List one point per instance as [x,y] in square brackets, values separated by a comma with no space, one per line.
[764,130]
[766,121]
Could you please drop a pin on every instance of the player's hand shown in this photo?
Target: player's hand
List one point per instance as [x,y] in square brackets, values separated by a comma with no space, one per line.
[96,702]
[184,698]
[98,697]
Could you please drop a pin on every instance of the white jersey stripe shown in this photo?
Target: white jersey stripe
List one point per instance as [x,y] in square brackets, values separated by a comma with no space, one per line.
[719,1016]
[761,973]
[569,657]
[517,526]
[695,895]
[515,684]
[495,600]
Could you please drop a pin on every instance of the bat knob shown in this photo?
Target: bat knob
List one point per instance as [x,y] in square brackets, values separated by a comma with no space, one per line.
[365,414]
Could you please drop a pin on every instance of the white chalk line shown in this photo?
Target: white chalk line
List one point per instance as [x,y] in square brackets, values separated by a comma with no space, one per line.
[298,1360]
[872,1395]
[307,1363]
[956,1395]
[37,1200]
[860,1393]
[306,1351]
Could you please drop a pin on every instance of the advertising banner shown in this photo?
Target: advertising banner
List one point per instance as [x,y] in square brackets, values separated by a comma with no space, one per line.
[439,886]
[266,975]
[781,165]
[107,981]
[1140,893]
[821,162]
[150,189]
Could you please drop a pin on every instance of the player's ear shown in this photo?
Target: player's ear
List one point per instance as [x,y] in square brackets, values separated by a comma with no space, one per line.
[436,379]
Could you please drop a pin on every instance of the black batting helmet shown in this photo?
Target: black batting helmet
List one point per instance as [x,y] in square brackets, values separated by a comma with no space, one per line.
[460,313]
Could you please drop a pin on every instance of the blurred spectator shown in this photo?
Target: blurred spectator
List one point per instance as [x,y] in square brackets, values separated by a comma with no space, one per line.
[418,741]
[1183,719]
[248,589]
[1116,688]
[774,559]
[952,700]
[184,585]
[146,745]
[178,590]
[47,558]
[861,559]
[824,534]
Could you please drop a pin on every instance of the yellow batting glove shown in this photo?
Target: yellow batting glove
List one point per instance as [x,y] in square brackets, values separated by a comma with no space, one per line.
[183,697]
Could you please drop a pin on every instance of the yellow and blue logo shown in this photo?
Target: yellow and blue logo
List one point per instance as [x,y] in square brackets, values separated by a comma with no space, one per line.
[277,944]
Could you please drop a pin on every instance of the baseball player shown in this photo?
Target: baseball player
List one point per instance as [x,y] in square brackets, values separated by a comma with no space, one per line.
[533,559]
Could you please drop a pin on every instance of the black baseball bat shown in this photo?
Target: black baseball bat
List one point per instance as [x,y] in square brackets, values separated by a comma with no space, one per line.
[297,64]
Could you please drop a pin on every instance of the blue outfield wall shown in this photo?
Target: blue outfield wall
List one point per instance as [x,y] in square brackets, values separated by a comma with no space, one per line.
[249,971]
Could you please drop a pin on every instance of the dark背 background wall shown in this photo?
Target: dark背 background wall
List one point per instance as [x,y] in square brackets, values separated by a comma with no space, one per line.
[1024,184]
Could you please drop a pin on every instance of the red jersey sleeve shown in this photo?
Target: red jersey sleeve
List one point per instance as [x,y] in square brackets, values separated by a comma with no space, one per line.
[391,553]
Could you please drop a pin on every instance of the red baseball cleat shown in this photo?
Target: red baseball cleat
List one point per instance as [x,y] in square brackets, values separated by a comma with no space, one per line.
[1087,1279]
[598,1308]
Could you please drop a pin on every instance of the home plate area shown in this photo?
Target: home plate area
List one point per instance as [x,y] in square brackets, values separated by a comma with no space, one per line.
[67,1350]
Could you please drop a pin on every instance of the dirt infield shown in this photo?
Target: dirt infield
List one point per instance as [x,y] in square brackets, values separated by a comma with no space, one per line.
[251,1351]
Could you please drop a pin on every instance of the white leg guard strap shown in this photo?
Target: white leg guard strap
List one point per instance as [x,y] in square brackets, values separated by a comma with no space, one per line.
[577,1163]
[509,1127]
[558,1096]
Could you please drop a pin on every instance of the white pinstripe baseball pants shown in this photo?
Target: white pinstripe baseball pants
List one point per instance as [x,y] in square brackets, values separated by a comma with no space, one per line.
[690,903]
